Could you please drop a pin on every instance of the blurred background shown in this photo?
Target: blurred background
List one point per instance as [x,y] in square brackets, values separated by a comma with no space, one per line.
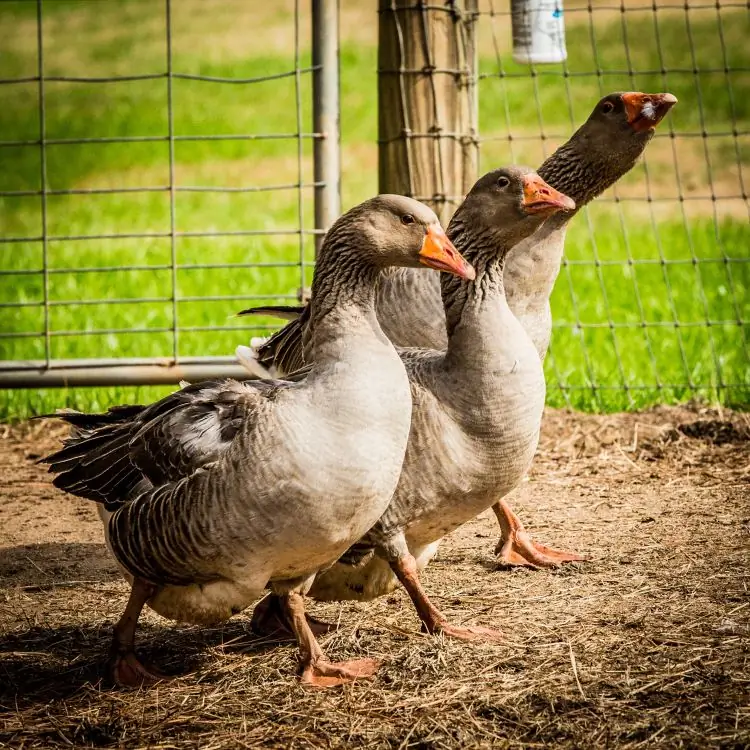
[650,306]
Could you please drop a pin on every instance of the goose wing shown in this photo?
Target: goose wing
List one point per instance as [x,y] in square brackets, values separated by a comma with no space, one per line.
[112,457]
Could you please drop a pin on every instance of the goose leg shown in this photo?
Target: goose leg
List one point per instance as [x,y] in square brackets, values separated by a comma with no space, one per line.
[271,620]
[316,669]
[434,621]
[517,548]
[127,670]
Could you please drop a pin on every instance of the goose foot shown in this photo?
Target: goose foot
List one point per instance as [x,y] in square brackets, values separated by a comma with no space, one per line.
[516,548]
[467,633]
[323,673]
[317,670]
[433,620]
[128,671]
[270,620]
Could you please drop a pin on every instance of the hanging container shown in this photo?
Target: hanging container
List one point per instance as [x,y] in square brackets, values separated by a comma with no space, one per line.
[538,31]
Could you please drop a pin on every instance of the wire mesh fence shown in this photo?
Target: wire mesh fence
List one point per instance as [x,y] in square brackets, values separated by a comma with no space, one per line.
[651,303]
[136,212]
[175,165]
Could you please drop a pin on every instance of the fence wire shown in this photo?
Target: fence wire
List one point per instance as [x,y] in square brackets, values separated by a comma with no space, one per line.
[151,290]
[652,297]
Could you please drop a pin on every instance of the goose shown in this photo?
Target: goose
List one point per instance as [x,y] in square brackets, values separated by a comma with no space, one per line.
[225,488]
[409,307]
[477,410]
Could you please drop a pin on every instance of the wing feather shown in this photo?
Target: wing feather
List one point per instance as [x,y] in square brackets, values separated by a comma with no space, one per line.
[113,457]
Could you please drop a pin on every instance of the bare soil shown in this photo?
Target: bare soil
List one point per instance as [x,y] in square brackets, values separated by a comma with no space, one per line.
[646,645]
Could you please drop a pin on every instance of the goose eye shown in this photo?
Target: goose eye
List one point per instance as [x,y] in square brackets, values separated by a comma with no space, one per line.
[503,182]
[607,107]
[407,219]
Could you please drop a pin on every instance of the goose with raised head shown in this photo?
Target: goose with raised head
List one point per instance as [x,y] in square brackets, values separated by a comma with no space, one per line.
[409,307]
[223,488]
[477,409]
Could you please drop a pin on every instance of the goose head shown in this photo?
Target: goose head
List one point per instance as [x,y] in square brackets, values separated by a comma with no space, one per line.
[507,205]
[608,144]
[632,111]
[398,231]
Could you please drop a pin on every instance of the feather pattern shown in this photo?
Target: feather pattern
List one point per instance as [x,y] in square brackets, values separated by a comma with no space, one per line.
[112,453]
[285,350]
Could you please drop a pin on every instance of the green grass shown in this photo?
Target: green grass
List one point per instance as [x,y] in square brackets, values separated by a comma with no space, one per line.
[657,362]
[675,299]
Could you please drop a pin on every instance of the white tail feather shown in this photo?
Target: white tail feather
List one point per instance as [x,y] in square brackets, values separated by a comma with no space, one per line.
[248,359]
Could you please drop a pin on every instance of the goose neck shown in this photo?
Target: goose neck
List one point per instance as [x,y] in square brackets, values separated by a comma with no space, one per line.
[464,299]
[343,297]
[585,166]
[348,285]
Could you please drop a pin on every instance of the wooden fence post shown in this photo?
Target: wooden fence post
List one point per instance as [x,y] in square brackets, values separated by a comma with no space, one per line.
[427,106]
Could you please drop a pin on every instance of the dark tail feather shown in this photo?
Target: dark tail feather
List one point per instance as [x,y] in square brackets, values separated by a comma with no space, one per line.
[82,424]
[116,414]
[96,465]
[285,312]
[284,349]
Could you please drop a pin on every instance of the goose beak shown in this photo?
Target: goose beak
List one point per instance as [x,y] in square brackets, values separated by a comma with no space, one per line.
[541,198]
[438,252]
[646,111]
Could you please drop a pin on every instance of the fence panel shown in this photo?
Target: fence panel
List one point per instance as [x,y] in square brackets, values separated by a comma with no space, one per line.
[162,172]
[157,178]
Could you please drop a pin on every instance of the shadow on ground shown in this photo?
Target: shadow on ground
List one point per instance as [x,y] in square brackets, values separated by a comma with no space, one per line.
[42,664]
[55,563]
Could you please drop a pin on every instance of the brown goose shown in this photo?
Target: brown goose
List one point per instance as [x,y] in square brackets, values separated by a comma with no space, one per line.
[224,488]
[476,415]
[599,153]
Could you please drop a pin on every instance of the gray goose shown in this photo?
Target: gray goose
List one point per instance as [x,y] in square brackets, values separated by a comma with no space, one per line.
[477,409]
[598,154]
[224,488]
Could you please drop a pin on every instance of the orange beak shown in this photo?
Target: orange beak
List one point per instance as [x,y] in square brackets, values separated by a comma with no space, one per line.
[438,252]
[541,198]
[646,111]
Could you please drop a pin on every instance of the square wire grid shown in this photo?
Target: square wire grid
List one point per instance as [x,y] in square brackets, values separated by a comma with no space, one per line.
[44,272]
[666,250]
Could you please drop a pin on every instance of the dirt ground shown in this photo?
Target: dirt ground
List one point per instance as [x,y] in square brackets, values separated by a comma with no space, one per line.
[647,645]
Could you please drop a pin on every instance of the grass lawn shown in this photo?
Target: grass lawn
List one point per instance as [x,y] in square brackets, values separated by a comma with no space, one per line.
[665,262]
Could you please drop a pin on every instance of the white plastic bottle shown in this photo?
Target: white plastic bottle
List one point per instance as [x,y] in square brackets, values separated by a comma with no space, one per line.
[538,31]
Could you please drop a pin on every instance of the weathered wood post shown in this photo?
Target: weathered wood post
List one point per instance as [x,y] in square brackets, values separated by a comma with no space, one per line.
[427,106]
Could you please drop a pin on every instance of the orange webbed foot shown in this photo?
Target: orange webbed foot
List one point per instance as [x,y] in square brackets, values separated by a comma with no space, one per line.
[520,550]
[516,548]
[128,671]
[475,633]
[322,673]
